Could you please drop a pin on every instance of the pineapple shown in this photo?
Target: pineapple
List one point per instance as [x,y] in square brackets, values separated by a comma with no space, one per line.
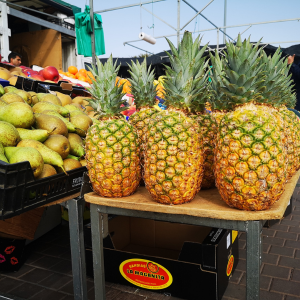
[250,155]
[112,148]
[174,157]
[144,93]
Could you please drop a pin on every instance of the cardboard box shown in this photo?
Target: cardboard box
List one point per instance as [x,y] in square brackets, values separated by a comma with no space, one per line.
[185,261]
[288,211]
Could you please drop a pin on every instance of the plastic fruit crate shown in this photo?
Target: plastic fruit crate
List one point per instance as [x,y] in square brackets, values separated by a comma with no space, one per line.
[20,192]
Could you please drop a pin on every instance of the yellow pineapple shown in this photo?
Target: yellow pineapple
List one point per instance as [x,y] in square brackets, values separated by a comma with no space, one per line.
[112,147]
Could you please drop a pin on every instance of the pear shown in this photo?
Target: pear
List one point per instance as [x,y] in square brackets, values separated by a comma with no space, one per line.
[18,114]
[95,121]
[13,80]
[83,162]
[41,106]
[40,135]
[73,157]
[2,103]
[74,113]
[70,126]
[34,98]
[65,99]
[2,92]
[52,124]
[41,95]
[11,97]
[9,135]
[49,156]
[72,107]
[2,155]
[25,95]
[49,98]
[76,146]
[70,164]
[59,144]
[8,89]
[82,124]
[48,170]
[15,155]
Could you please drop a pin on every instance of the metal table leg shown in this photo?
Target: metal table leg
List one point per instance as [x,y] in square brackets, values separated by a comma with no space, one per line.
[253,259]
[98,258]
[76,207]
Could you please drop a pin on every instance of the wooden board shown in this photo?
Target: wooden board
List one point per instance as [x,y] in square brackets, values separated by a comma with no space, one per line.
[207,204]
[42,47]
[62,200]
[23,225]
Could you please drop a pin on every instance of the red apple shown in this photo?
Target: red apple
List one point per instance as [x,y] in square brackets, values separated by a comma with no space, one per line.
[38,77]
[50,73]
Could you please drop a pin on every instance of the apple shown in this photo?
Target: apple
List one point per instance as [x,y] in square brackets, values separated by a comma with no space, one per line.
[50,73]
[38,77]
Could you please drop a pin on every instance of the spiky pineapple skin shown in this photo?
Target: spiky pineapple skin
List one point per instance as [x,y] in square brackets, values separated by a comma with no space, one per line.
[250,159]
[112,155]
[208,132]
[173,158]
[140,121]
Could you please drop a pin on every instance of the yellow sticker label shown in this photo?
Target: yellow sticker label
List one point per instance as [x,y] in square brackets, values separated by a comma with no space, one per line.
[146,274]
[234,235]
[230,265]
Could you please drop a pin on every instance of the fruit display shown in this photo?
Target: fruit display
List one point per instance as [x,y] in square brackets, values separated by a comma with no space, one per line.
[41,131]
[82,74]
[112,147]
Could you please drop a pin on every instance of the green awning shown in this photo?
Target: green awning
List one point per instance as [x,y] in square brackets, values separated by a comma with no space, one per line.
[63,6]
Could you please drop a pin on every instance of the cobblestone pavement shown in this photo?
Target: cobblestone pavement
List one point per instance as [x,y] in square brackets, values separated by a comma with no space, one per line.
[47,273]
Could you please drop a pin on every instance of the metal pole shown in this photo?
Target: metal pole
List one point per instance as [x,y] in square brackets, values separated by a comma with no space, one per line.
[178,23]
[218,32]
[225,20]
[92,34]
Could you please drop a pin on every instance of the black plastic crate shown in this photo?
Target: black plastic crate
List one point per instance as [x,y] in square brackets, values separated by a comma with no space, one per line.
[20,192]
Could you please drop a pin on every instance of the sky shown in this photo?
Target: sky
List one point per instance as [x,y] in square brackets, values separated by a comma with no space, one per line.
[125,24]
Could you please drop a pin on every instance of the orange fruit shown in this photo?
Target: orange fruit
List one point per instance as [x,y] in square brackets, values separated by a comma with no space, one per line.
[90,75]
[89,80]
[72,76]
[83,72]
[73,70]
[82,78]
[77,75]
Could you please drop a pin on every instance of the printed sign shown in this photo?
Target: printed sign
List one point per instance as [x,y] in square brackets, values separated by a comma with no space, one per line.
[77,181]
[230,265]
[146,274]
[234,235]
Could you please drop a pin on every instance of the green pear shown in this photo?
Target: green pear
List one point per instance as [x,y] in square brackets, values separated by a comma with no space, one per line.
[2,103]
[34,98]
[40,135]
[2,155]
[12,97]
[9,88]
[25,95]
[71,107]
[2,92]
[9,135]
[49,98]
[73,157]
[69,164]
[50,157]
[76,146]
[41,95]
[41,106]
[15,155]
[50,123]
[74,113]
[59,144]
[82,124]
[70,126]
[18,114]
[48,170]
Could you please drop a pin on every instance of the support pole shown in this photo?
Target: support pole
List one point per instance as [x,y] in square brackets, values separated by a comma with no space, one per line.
[225,21]
[218,32]
[178,23]
[93,33]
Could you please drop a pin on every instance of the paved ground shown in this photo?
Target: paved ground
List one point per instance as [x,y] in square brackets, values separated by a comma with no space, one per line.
[47,273]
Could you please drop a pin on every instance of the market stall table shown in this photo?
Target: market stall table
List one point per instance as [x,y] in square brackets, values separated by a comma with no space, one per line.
[207,209]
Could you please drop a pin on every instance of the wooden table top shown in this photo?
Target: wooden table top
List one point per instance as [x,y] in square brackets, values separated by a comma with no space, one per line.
[206,204]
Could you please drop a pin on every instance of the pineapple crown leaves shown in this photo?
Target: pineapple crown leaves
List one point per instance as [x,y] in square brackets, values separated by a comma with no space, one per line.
[106,95]
[186,79]
[142,86]
[243,79]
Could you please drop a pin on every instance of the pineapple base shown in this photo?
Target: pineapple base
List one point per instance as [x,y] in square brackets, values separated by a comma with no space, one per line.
[112,155]
[250,157]
[174,158]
